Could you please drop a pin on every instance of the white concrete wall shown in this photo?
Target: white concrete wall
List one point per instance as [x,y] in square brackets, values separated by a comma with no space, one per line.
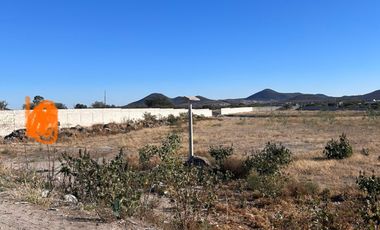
[227,111]
[15,119]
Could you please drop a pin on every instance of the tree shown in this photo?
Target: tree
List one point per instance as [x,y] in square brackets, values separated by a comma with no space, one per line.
[80,106]
[60,106]
[37,100]
[98,104]
[3,105]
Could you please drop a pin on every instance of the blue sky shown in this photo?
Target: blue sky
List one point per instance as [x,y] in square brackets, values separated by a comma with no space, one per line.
[71,51]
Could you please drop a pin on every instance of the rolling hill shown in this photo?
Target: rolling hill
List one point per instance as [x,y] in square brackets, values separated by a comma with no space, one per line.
[158,100]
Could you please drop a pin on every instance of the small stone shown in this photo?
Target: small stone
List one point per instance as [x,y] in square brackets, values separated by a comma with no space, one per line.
[45,193]
[71,199]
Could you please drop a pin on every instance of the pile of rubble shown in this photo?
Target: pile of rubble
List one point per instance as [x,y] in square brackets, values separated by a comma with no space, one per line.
[17,135]
[95,130]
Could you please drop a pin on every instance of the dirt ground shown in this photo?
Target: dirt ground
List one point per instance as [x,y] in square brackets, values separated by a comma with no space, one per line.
[23,215]
[304,133]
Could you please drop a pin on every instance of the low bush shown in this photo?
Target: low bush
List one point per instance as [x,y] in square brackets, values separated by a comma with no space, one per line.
[370,210]
[112,183]
[193,189]
[116,185]
[369,184]
[220,154]
[298,189]
[269,160]
[149,118]
[267,185]
[173,120]
[338,149]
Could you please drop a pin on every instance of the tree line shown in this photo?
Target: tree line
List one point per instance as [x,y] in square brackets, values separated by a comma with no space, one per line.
[38,99]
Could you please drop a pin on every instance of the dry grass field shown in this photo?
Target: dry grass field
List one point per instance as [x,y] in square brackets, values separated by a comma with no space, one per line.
[304,133]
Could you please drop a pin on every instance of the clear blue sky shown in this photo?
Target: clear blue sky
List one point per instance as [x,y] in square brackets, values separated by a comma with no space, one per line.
[70,51]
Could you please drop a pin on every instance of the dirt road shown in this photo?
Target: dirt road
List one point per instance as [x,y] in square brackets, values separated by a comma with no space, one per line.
[20,215]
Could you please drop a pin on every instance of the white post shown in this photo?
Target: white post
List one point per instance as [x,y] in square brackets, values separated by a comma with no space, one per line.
[191,147]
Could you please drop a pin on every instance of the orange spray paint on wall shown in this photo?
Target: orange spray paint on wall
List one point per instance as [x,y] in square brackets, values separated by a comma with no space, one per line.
[42,122]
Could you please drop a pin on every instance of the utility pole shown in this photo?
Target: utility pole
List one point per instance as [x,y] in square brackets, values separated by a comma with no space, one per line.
[191,139]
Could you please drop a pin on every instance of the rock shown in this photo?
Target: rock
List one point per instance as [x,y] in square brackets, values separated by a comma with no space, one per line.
[45,193]
[71,199]
[338,198]
[17,135]
[79,128]
[198,161]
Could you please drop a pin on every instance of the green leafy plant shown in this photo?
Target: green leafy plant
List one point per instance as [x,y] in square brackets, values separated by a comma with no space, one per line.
[220,153]
[371,208]
[193,189]
[112,182]
[269,160]
[338,149]
[267,185]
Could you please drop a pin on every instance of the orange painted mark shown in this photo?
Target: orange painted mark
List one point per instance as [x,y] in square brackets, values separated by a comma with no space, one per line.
[42,122]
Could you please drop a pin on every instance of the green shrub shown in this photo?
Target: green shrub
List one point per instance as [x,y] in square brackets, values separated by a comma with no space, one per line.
[116,185]
[149,118]
[269,160]
[372,114]
[173,120]
[370,210]
[267,185]
[111,182]
[220,153]
[369,184]
[193,189]
[338,149]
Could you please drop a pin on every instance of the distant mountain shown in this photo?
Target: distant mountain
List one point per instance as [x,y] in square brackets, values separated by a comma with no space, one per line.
[375,95]
[154,100]
[157,100]
[310,98]
[268,95]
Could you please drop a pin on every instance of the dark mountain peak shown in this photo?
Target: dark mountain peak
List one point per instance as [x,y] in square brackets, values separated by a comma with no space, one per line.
[271,95]
[155,95]
[268,91]
[154,100]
